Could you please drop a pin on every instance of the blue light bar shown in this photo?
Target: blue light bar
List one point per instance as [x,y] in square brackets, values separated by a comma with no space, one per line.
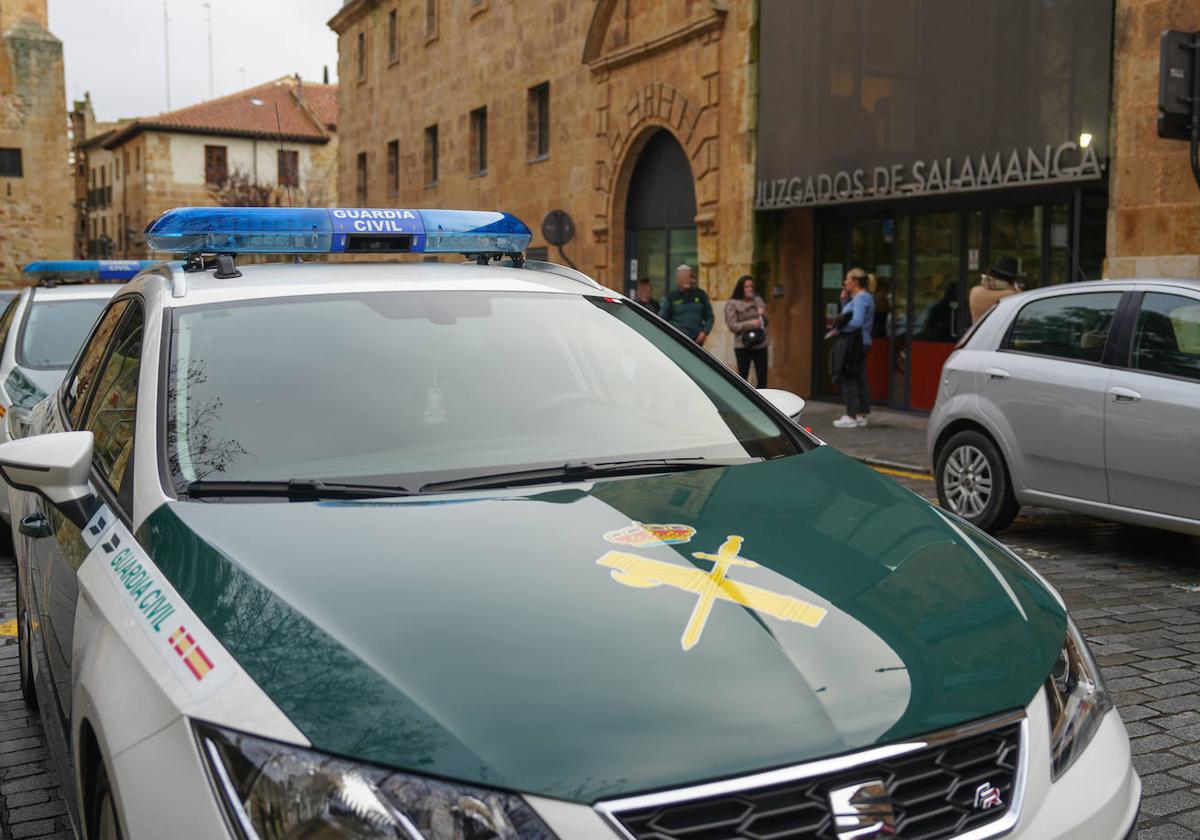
[316,230]
[88,269]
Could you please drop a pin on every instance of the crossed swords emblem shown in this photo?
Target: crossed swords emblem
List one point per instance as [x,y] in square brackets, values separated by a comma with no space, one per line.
[643,573]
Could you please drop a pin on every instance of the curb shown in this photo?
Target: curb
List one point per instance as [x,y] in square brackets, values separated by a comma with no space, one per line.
[892,465]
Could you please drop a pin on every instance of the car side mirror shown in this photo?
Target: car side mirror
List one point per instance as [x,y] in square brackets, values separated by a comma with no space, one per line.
[55,466]
[784,401]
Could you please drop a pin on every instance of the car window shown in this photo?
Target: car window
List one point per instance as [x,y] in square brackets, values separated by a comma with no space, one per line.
[79,384]
[1065,326]
[408,387]
[54,329]
[1167,337]
[6,321]
[110,417]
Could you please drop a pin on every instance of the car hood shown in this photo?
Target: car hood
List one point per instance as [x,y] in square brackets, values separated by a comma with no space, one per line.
[541,641]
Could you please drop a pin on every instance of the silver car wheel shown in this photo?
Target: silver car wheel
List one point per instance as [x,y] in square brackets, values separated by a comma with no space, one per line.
[968,481]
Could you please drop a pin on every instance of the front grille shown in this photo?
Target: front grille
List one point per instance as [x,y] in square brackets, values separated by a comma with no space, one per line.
[931,794]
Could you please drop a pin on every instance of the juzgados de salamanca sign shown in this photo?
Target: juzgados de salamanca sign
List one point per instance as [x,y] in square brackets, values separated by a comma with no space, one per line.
[985,171]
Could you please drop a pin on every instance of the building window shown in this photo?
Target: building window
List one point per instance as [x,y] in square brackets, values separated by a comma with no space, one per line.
[393,37]
[289,168]
[539,121]
[216,165]
[478,162]
[431,19]
[360,178]
[116,169]
[137,158]
[393,167]
[362,55]
[431,155]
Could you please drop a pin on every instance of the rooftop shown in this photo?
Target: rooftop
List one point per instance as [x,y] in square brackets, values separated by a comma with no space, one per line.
[286,107]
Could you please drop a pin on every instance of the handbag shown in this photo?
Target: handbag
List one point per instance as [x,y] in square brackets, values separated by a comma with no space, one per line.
[754,337]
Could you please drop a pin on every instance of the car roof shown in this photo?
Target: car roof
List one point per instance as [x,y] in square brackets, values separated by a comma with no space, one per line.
[1119,283]
[269,280]
[77,291]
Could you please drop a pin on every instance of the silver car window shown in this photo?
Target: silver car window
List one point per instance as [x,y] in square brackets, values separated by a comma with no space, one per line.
[1167,337]
[1065,326]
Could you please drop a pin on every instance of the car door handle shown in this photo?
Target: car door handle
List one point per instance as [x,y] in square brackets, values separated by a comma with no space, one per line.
[1120,394]
[996,373]
[35,525]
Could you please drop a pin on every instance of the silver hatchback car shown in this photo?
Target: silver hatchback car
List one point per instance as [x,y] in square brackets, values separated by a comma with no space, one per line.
[1084,397]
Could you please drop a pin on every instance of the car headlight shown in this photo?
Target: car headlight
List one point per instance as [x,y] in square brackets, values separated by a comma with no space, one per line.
[274,791]
[1078,701]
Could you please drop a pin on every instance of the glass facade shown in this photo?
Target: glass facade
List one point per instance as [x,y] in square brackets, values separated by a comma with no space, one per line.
[908,91]
[926,261]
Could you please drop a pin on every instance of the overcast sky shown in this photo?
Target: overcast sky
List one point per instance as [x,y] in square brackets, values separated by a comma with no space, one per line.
[113,48]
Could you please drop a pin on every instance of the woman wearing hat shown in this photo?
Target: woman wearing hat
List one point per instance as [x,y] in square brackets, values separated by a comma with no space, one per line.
[998,282]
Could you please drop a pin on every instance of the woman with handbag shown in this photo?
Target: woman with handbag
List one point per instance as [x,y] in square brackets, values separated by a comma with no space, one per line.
[746,317]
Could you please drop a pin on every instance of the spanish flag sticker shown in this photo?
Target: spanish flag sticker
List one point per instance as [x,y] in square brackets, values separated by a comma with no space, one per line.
[191,653]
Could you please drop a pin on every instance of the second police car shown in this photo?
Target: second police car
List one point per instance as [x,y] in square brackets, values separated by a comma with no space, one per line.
[485,551]
[41,330]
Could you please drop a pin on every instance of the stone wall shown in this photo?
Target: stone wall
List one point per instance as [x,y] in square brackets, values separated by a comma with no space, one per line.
[617,70]
[1154,202]
[35,209]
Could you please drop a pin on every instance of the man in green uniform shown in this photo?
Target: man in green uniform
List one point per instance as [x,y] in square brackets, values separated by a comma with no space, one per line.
[687,307]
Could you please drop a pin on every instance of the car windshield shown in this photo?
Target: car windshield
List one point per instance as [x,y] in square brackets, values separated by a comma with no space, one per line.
[54,330]
[412,387]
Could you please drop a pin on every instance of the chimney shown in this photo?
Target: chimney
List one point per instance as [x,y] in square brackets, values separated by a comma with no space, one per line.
[325,75]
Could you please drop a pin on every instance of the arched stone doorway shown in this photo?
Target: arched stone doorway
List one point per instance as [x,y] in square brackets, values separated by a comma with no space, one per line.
[660,214]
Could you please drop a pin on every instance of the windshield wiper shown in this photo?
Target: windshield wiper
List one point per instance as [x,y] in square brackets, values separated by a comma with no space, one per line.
[295,490]
[578,471]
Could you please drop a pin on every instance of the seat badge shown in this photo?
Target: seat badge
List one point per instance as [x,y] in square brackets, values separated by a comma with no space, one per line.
[987,797]
[863,811]
[639,572]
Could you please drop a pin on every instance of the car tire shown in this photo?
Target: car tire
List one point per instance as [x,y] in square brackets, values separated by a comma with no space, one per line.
[25,649]
[103,823]
[973,482]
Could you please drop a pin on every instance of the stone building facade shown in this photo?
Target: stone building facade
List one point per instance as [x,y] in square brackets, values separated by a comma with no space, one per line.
[1154,202]
[425,80]
[129,172]
[641,119]
[35,179]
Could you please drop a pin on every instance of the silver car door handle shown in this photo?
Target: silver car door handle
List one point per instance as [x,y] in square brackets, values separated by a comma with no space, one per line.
[996,373]
[1120,394]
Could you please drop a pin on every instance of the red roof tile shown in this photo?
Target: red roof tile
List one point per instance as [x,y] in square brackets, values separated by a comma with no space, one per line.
[306,111]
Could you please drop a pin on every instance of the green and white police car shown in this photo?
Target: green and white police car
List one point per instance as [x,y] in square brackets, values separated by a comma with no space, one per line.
[484,550]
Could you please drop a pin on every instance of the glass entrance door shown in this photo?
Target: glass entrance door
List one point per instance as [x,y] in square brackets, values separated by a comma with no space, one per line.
[869,244]
[936,308]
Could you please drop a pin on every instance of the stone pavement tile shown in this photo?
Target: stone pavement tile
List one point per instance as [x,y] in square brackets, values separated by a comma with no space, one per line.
[1179,703]
[1166,832]
[1162,783]
[1164,664]
[1134,712]
[37,828]
[1154,743]
[1162,692]
[1172,722]
[1190,772]
[1155,762]
[1140,728]
[1164,804]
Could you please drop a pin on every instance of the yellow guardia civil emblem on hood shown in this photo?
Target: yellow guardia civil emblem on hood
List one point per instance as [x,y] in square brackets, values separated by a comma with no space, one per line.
[643,573]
